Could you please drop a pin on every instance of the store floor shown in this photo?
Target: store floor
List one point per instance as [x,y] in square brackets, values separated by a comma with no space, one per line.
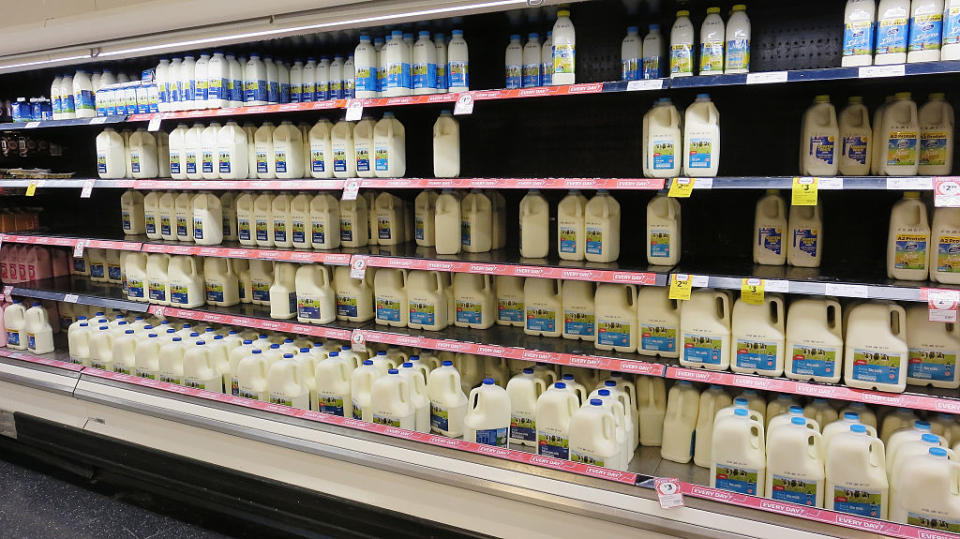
[40,502]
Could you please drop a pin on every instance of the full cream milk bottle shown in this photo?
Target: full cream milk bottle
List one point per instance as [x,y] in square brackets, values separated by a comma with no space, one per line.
[680,422]
[390,297]
[571,226]
[705,330]
[814,340]
[333,386]
[542,307]
[263,151]
[701,138]
[389,147]
[663,231]
[425,218]
[475,300]
[38,330]
[769,225]
[534,225]
[944,250]
[933,348]
[143,154]
[232,158]
[712,34]
[555,409]
[418,394]
[876,353]
[879,142]
[363,147]
[893,17]
[136,266]
[158,284]
[288,156]
[388,216]
[927,493]
[448,226]
[282,220]
[524,389]
[476,222]
[210,152]
[858,32]
[390,401]
[183,214]
[342,146]
[446,146]
[616,317]
[131,212]
[840,426]
[487,420]
[711,400]
[908,239]
[320,157]
[819,137]
[602,228]
[805,229]
[738,41]
[855,478]
[622,423]
[902,438]
[900,137]
[110,155]
[354,223]
[631,54]
[201,370]
[151,215]
[300,237]
[651,408]
[577,298]
[951,31]
[426,294]
[252,376]
[207,219]
[283,295]
[246,229]
[361,382]
[564,49]
[662,140]
[448,403]
[324,222]
[856,138]
[795,470]
[926,22]
[757,343]
[658,321]
[936,136]
[681,46]
[513,63]
[354,296]
[286,384]
[510,300]
[593,436]
[738,457]
[147,357]
[186,283]
[316,299]
[221,284]
[263,220]
[178,148]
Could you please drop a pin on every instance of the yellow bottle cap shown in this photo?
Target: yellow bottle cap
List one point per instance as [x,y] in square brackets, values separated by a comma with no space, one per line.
[903,95]
[711,10]
[739,7]
[938,95]
[856,99]
[823,98]
[563,13]
[683,13]
[912,195]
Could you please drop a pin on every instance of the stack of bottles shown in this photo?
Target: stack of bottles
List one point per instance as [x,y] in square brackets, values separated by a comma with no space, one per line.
[675,145]
[643,59]
[918,249]
[723,48]
[397,65]
[900,31]
[25,263]
[553,62]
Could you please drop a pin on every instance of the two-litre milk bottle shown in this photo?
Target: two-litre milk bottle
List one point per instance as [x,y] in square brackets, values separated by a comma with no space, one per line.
[900,137]
[944,249]
[571,226]
[534,225]
[705,330]
[757,343]
[814,340]
[475,300]
[524,389]
[876,353]
[316,299]
[662,140]
[680,422]
[770,224]
[579,310]
[805,236]
[933,349]
[555,409]
[510,300]
[936,137]
[616,325]
[542,307]
[658,321]
[663,231]
[651,409]
[701,138]
[908,239]
[711,401]
[856,138]
[602,228]
[819,137]
[390,297]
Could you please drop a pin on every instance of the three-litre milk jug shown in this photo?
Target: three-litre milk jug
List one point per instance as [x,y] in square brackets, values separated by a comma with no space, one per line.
[286,384]
[221,284]
[738,459]
[446,146]
[418,395]
[701,138]
[712,400]
[354,223]
[186,283]
[488,415]
[136,266]
[819,136]
[261,278]
[769,225]
[448,403]
[555,408]
[663,231]
[158,283]
[252,376]
[680,422]
[390,297]
[658,320]
[168,216]
[579,319]
[805,236]
[354,296]
[426,296]
[232,157]
[662,140]
[361,382]
[344,155]
[936,136]
[542,307]
[475,300]
[856,139]
[263,224]
[200,368]
[524,389]
[282,220]
[602,228]
[926,492]
[425,218]
[333,386]
[534,225]
[210,152]
[795,470]
[593,436]
[933,348]
[288,157]
[390,402]
[320,158]
[757,343]
[316,300]
[705,330]
[908,239]
[510,300]
[246,228]
[944,249]
[616,317]
[143,154]
[814,342]
[571,226]
[263,148]
[856,479]
[876,354]
[651,408]
[183,216]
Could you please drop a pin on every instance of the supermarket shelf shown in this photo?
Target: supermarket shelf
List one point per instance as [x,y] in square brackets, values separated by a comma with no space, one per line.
[235,250]
[76,290]
[836,183]
[99,120]
[514,183]
[309,184]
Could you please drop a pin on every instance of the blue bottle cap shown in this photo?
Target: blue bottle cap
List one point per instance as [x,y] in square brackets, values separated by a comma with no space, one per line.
[488,381]
[799,421]
[930,438]
[938,452]
[393,371]
[560,385]
[858,428]
[596,402]
[740,412]
[447,364]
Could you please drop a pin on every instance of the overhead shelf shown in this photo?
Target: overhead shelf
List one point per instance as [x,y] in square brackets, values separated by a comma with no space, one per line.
[98,120]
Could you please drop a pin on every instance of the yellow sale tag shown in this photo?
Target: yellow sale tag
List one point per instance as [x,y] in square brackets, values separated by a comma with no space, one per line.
[31,188]
[680,285]
[751,291]
[681,188]
[804,191]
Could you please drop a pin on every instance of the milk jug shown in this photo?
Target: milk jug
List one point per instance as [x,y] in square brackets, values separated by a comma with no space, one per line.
[498,206]
[316,300]
[900,137]
[663,231]
[209,152]
[488,415]
[858,33]
[186,283]
[524,389]
[819,137]
[770,222]
[903,437]
[944,260]
[856,138]
[542,307]
[651,409]
[622,425]
[701,138]
[446,146]
[856,480]
[246,222]
[324,222]
[183,216]
[389,147]
[320,157]
[908,239]
[287,151]
[555,409]
[927,493]
[933,348]
[158,284]
[681,46]
[577,298]
[593,436]
[476,222]
[712,36]
[418,395]
[147,357]
[354,223]
[758,337]
[448,404]
[814,340]
[571,231]
[221,284]
[795,470]
[131,212]
[510,300]
[534,225]
[151,215]
[843,425]
[232,159]
[390,297]
[228,210]
[201,370]
[805,229]
[820,411]
[448,225]
[361,383]
[36,327]
[616,317]
[286,384]
[936,136]
[167,216]
[370,198]
[602,228]
[143,154]
[207,219]
[906,458]
[263,223]
[424,218]
[876,353]
[705,330]
[282,220]
[252,374]
[391,403]
[354,296]
[178,152]
[344,156]
[711,400]
[136,280]
[866,415]
[680,422]
[658,321]
[426,295]
[264,152]
[389,219]
[476,302]
[98,265]
[333,377]
[110,155]
[283,296]
[738,456]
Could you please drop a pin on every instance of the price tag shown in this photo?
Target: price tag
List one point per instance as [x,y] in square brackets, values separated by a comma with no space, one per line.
[668,490]
[872,72]
[464,104]
[751,291]
[946,192]
[8,292]
[681,187]
[350,189]
[358,267]
[804,191]
[32,188]
[769,77]
[87,188]
[78,248]
[31,125]
[358,341]
[154,124]
[70,298]
[680,286]
[649,84]
[910,183]
[98,120]
[354,110]
[942,306]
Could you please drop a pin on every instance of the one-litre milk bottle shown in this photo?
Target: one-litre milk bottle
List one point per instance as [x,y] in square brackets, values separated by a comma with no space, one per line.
[893,17]
[934,347]
[770,224]
[908,239]
[738,41]
[701,138]
[448,403]
[926,22]
[876,354]
[900,137]
[564,49]
[542,307]
[856,479]
[658,319]
[602,228]
[858,33]
[662,140]
[681,46]
[805,236]
[705,330]
[936,136]
[819,138]
[738,455]
[663,231]
[680,422]
[814,342]
[757,343]
[795,470]
[856,138]
[712,35]
[488,415]
[712,400]
[571,226]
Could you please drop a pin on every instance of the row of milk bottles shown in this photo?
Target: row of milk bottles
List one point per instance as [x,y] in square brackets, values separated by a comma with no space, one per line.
[27,328]
[724,48]
[904,141]
[535,64]
[74,96]
[876,345]
[219,80]
[918,249]
[802,225]
[900,31]
[642,58]
[398,65]
[132,154]
[681,145]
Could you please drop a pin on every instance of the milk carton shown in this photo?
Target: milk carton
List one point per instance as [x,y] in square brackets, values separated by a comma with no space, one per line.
[663,231]
[908,239]
[933,348]
[680,422]
[542,307]
[814,340]
[738,454]
[571,226]
[795,471]
[876,354]
[701,138]
[770,223]
[488,415]
[819,137]
[856,138]
[805,230]
[758,337]
[616,317]
[705,330]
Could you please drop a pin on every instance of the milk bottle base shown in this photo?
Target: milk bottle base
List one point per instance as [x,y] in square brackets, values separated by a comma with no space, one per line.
[917,57]
[857,61]
[888,59]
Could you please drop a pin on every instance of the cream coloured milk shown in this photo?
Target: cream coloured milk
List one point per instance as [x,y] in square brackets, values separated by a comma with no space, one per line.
[448,403]
[476,222]
[712,399]
[893,18]
[316,300]
[221,284]
[354,296]
[900,137]
[663,231]
[446,146]
[651,408]
[795,470]
[389,147]
[426,294]
[263,223]
[936,136]
[246,228]
[390,297]
[876,354]
[616,317]
[424,218]
[602,228]
[333,386]
[110,155]
[542,307]
[770,223]
[705,330]
[232,159]
[571,226]
[324,223]
[510,300]
[183,214]
[856,138]
[658,319]
[158,285]
[283,296]
[207,219]
[856,481]
[908,239]
[680,422]
[354,223]
[578,310]
[805,236]
[282,215]
[738,456]
[363,147]
[186,283]
[593,436]
[264,153]
[757,339]
[136,267]
[448,226]
[944,257]
[534,225]
[681,46]
[662,140]
[821,411]
[288,159]
[524,389]
[555,408]
[814,340]
[712,36]
[701,138]
[488,415]
[131,212]
[300,237]
[320,142]
[151,215]
[858,32]
[388,216]
[475,300]
[933,349]
[819,139]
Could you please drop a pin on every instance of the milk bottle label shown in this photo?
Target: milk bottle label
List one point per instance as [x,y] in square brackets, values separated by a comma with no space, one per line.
[612,333]
[357,410]
[856,500]
[217,89]
[935,521]
[771,238]
[317,232]
[902,148]
[951,26]
[346,230]
[387,420]
[794,490]
[568,239]
[540,319]
[298,232]
[255,90]
[214,292]
[135,288]
[273,95]
[191,163]
[31,341]
[594,244]
[858,38]
[663,154]
[822,147]
[330,404]
[738,54]
[911,251]
[243,228]
[398,75]
[892,35]
[79,265]
[523,428]
[296,91]
[514,74]
[855,148]
[113,272]
[586,458]
[701,349]
[346,305]
[96,270]
[742,480]
[876,366]
[630,70]
[143,373]
[578,323]
[175,162]
[247,394]
[366,79]
[280,161]
[125,220]
[181,226]
[418,227]
[309,92]
[948,254]
[442,76]
[531,74]
[84,100]
[468,312]
[509,310]
[494,437]
[439,417]
[933,147]
[811,361]
[651,67]
[197,228]
[422,313]
[134,161]
[363,159]
[753,354]
[158,291]
[805,240]
[68,105]
[179,294]
[658,338]
[711,57]
[102,163]
[459,75]
[424,75]
[700,152]
[465,232]
[316,159]
[150,222]
[564,58]
[261,228]
[195,383]
[388,309]
[925,32]
[382,156]
[340,159]
[553,443]
[279,230]
[224,159]
[681,58]
[926,364]
[660,244]
[261,162]
[261,290]
[206,162]
[13,337]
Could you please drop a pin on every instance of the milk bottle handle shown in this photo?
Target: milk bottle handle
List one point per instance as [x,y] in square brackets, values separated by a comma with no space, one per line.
[474,400]
[572,403]
[757,438]
[609,426]
[778,312]
[439,279]
[901,322]
[724,305]
[815,450]
[581,394]
[837,316]
[631,292]
[404,388]
[539,386]
[877,456]
[487,283]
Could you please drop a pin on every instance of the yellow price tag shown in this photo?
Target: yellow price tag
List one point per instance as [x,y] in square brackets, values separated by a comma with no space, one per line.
[31,188]
[680,286]
[681,187]
[751,291]
[804,191]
